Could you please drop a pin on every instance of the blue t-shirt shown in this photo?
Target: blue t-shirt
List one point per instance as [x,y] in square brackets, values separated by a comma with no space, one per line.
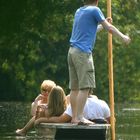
[85,26]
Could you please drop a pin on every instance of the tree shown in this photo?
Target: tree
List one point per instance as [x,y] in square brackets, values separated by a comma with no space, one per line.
[34,41]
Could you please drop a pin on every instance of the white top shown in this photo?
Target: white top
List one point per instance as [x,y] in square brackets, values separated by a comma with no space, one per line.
[94,109]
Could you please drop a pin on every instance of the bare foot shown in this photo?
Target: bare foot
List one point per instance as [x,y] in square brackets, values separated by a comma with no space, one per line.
[74,121]
[85,121]
[81,121]
[20,132]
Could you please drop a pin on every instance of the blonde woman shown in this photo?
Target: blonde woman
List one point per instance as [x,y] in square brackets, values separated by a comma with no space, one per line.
[42,98]
[36,111]
[56,102]
[55,107]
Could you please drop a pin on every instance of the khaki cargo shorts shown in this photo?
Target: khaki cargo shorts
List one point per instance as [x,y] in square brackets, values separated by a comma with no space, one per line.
[81,69]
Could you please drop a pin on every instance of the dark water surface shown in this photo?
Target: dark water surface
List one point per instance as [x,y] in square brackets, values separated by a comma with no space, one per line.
[14,115]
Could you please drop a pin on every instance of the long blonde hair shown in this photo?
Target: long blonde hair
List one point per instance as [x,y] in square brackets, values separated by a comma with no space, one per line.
[56,102]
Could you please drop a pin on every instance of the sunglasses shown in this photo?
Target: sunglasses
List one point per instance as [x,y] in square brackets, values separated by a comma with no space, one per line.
[44,90]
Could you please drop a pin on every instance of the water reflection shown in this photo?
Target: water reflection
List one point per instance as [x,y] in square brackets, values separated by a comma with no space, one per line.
[128,122]
[12,115]
[15,115]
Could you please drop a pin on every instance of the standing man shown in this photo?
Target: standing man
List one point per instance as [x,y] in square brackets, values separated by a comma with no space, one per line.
[80,60]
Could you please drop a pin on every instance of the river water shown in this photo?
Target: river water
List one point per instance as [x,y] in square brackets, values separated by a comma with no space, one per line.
[14,115]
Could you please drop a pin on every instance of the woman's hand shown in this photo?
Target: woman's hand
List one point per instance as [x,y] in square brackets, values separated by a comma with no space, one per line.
[42,106]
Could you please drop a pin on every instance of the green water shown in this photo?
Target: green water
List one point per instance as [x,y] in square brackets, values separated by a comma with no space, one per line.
[128,122]
[15,115]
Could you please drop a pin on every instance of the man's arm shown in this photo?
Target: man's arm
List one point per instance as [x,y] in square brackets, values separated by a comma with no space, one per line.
[100,27]
[60,119]
[112,29]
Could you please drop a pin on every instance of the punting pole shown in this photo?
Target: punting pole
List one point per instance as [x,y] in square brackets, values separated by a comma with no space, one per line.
[111,83]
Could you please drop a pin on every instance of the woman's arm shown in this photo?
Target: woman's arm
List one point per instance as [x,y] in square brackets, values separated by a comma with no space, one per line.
[57,119]
[34,105]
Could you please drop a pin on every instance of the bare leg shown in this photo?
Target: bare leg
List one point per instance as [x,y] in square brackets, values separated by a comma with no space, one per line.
[27,127]
[73,101]
[81,101]
[78,106]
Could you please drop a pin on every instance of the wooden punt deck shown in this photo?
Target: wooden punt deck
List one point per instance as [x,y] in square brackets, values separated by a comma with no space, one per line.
[68,131]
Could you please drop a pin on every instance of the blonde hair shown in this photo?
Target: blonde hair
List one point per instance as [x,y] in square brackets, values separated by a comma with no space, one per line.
[48,84]
[56,102]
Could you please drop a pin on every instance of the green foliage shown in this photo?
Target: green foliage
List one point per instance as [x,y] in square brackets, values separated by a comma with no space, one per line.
[34,41]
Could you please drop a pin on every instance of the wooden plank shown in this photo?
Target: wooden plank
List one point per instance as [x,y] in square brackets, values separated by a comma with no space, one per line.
[68,131]
[75,126]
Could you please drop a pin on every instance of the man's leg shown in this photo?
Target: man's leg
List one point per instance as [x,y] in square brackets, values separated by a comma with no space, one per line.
[78,100]
[73,101]
[81,101]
